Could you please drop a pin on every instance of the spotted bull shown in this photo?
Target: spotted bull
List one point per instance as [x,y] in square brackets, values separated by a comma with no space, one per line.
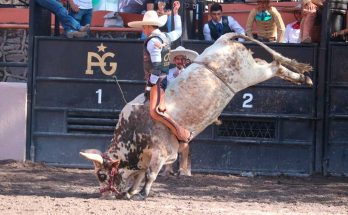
[195,99]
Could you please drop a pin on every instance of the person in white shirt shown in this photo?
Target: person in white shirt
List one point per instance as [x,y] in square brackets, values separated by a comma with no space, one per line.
[81,10]
[219,25]
[182,58]
[156,66]
[292,30]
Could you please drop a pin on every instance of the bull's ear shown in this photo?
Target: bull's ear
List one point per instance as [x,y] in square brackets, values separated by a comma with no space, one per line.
[95,157]
[112,163]
[115,163]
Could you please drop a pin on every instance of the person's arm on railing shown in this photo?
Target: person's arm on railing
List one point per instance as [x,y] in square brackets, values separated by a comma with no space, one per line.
[280,25]
[250,22]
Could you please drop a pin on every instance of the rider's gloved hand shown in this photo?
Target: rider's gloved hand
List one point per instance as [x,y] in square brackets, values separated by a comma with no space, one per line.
[153,79]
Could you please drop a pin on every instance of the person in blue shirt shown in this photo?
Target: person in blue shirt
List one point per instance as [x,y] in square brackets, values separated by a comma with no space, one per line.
[219,25]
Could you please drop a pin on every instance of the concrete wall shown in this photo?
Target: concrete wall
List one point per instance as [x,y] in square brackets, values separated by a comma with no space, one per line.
[13,49]
[13,116]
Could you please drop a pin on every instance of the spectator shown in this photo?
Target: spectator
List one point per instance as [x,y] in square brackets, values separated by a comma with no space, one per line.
[131,6]
[81,10]
[340,34]
[163,11]
[309,12]
[219,25]
[292,30]
[182,58]
[150,5]
[71,27]
[269,23]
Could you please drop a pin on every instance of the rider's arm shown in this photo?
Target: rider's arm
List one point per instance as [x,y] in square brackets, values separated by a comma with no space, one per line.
[154,48]
[176,33]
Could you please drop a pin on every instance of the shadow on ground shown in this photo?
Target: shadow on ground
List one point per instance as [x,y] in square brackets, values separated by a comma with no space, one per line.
[35,179]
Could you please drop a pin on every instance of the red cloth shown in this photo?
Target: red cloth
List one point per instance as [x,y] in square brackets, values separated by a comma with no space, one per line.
[296,25]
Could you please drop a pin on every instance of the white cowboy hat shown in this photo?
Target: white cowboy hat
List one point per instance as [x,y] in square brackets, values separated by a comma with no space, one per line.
[190,54]
[150,18]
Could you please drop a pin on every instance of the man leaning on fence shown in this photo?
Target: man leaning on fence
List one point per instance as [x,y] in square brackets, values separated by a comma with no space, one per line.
[269,23]
[219,25]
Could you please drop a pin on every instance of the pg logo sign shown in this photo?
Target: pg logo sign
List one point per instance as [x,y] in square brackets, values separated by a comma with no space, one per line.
[102,60]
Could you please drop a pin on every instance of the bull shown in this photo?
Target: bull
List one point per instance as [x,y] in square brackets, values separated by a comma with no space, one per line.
[141,146]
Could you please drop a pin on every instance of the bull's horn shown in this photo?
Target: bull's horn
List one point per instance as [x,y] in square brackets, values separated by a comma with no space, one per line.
[92,157]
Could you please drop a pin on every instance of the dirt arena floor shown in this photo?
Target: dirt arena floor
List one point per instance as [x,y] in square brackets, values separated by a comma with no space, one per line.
[32,188]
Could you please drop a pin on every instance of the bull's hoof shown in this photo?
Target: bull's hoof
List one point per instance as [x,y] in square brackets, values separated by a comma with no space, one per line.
[167,173]
[183,172]
[138,197]
[309,81]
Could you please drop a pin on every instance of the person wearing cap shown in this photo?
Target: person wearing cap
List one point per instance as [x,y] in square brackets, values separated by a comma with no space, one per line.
[292,30]
[309,12]
[182,58]
[219,25]
[156,66]
[269,23]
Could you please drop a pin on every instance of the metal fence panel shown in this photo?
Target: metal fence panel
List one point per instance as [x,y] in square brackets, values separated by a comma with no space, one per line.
[77,101]
[76,104]
[268,128]
[336,148]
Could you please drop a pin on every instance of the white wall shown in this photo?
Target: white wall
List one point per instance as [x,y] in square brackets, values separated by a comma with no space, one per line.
[13,116]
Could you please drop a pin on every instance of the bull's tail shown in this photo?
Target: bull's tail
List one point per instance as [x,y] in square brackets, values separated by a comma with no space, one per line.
[291,63]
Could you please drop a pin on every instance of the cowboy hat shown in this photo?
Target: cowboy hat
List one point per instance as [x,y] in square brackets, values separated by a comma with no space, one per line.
[190,54]
[150,18]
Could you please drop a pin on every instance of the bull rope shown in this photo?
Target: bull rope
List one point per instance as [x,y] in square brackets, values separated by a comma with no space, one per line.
[119,86]
[216,74]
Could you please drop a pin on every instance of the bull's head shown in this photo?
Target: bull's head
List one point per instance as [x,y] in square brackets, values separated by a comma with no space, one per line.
[107,172]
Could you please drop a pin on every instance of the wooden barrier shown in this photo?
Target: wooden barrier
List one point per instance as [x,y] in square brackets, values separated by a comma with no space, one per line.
[14,18]
[18,18]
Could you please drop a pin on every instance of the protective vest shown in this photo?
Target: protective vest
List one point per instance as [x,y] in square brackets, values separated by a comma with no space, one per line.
[225,29]
[164,66]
